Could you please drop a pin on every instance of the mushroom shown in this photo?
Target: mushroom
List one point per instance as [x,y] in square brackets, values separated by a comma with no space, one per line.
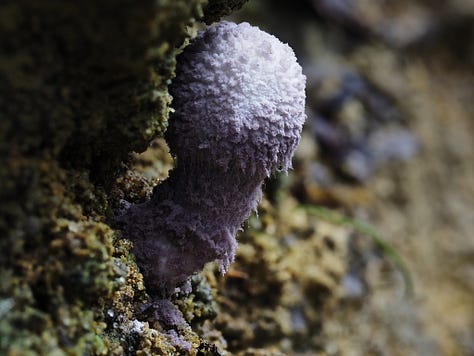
[239,97]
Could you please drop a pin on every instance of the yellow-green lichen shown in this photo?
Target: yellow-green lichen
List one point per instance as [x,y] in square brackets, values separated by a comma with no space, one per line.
[82,84]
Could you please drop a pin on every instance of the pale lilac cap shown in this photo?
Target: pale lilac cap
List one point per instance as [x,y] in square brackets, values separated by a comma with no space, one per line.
[239,96]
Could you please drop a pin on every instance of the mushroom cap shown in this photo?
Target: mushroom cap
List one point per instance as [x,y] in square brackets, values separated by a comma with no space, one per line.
[239,98]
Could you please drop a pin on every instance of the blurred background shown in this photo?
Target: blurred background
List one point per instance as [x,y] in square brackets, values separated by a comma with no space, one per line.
[389,142]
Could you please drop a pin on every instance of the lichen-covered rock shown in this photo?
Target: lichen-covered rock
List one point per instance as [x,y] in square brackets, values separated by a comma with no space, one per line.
[81,85]
[215,9]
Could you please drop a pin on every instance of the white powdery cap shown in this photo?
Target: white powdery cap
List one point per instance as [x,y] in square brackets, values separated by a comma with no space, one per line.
[239,96]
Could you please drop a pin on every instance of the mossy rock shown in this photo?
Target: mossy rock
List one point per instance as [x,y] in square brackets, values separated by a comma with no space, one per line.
[82,84]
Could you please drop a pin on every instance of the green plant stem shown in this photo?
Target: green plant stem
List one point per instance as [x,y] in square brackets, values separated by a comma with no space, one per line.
[363,228]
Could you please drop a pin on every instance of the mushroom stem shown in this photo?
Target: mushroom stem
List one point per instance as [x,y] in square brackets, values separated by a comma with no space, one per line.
[189,222]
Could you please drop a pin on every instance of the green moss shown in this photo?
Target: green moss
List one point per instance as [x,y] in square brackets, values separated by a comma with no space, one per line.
[82,84]
[58,265]
[88,80]
[199,305]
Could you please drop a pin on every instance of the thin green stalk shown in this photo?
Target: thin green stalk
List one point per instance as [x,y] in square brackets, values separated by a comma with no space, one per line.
[363,228]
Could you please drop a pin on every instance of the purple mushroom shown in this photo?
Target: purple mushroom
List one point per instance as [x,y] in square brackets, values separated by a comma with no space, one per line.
[239,98]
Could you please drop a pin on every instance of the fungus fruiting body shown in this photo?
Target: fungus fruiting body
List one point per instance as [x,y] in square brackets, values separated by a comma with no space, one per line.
[239,97]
